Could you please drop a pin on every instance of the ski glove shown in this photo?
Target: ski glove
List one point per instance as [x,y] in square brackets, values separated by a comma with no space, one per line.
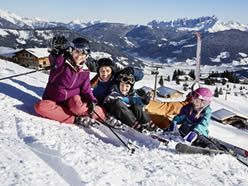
[145,97]
[91,108]
[58,45]
[191,137]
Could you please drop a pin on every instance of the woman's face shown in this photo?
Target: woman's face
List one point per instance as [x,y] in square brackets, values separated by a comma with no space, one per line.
[79,57]
[105,73]
[124,88]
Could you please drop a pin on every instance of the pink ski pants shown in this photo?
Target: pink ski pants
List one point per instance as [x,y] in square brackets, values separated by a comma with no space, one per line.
[66,112]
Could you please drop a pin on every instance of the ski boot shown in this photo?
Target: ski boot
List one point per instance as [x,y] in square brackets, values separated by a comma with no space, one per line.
[112,121]
[84,121]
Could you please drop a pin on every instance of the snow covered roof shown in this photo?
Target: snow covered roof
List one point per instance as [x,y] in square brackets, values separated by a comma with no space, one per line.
[165,91]
[185,77]
[8,52]
[38,52]
[223,114]
[147,89]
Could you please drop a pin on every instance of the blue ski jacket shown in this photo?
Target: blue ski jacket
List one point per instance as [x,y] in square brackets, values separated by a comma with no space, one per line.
[128,100]
[197,122]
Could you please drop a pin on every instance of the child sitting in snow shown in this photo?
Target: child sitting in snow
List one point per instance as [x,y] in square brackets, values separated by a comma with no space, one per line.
[68,97]
[194,119]
[126,104]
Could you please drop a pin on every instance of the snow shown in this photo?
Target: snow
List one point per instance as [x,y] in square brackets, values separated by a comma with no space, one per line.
[38,151]
[207,23]
[38,52]
[3,33]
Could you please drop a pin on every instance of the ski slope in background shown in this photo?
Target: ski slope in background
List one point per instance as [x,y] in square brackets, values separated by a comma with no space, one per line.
[37,151]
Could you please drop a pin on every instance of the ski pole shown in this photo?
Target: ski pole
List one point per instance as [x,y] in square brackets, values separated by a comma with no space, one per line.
[46,68]
[106,124]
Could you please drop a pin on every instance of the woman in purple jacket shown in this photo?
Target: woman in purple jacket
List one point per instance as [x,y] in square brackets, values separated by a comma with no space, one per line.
[68,97]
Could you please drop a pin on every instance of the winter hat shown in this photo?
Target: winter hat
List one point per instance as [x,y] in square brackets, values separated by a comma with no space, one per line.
[126,76]
[128,71]
[104,62]
[80,44]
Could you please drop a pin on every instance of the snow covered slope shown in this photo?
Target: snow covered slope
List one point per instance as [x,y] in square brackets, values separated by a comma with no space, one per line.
[38,151]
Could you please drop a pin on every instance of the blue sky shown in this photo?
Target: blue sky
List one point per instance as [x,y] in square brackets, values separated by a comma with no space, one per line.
[127,11]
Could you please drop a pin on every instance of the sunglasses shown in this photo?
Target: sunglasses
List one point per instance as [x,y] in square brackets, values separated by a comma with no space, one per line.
[127,79]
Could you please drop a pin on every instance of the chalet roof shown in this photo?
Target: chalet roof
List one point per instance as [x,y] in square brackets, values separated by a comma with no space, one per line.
[8,52]
[166,91]
[38,52]
[223,114]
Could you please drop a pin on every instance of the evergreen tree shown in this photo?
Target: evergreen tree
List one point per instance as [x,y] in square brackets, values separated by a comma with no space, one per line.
[220,91]
[192,74]
[177,81]
[174,75]
[216,92]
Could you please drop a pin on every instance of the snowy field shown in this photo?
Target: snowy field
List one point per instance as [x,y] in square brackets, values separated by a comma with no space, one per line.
[37,151]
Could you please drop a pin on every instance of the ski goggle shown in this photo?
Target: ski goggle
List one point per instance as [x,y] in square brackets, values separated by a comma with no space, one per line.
[198,96]
[127,79]
[84,49]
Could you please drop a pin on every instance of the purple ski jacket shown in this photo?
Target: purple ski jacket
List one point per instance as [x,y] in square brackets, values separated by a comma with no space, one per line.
[65,81]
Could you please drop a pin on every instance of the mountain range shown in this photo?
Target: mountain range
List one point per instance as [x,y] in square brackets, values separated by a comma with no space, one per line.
[163,41]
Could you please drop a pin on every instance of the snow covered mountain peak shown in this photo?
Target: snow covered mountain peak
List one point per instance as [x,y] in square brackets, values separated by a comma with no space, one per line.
[205,23]
[11,17]
[14,21]
[24,22]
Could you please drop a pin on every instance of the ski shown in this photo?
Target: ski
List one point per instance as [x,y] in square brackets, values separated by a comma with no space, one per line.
[110,132]
[147,137]
[231,148]
[188,149]
[127,136]
[108,135]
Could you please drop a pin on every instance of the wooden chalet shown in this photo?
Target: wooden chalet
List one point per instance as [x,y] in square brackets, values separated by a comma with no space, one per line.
[167,92]
[227,117]
[33,57]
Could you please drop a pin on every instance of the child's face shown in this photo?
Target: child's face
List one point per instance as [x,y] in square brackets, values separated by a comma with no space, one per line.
[197,103]
[79,57]
[105,73]
[124,88]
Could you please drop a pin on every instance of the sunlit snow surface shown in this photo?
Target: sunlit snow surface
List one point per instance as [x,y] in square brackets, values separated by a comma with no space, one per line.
[38,151]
